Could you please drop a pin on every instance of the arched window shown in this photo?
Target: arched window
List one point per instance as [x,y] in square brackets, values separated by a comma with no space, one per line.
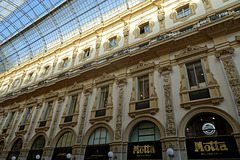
[99,136]
[145,131]
[1,145]
[209,136]
[98,145]
[63,146]
[65,140]
[15,149]
[37,148]
[207,124]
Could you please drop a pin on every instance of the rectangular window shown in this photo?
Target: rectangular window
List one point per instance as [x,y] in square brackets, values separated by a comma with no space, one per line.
[144,28]
[183,11]
[27,115]
[16,83]
[47,110]
[9,120]
[103,97]
[46,70]
[65,61]
[72,104]
[30,76]
[143,87]
[86,53]
[112,41]
[195,74]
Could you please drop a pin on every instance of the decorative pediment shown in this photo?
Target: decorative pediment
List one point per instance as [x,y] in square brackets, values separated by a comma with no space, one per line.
[104,78]
[31,101]
[51,95]
[14,106]
[142,67]
[76,86]
[226,51]
[191,51]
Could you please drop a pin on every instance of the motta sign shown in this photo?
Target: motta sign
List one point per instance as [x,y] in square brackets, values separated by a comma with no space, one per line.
[212,147]
[144,150]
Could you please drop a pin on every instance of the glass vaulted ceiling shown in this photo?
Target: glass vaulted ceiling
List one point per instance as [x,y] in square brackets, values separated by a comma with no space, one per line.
[30,27]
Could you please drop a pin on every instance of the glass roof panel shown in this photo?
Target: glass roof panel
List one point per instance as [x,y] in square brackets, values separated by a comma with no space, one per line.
[62,19]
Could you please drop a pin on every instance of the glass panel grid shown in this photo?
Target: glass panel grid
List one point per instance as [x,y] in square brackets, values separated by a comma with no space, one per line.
[87,12]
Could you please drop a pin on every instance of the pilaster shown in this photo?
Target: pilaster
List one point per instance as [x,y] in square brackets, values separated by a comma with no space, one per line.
[225,56]
[169,111]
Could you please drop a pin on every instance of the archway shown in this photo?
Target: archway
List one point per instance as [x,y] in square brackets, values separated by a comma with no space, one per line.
[15,151]
[144,142]
[37,148]
[209,136]
[63,146]
[98,145]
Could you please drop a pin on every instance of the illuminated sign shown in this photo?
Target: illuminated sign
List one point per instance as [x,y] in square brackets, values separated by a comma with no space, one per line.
[145,150]
[212,147]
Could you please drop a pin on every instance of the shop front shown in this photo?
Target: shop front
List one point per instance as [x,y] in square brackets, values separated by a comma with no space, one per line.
[144,142]
[98,145]
[209,136]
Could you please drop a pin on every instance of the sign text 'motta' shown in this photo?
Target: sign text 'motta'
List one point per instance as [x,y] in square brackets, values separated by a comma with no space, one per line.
[145,149]
[210,146]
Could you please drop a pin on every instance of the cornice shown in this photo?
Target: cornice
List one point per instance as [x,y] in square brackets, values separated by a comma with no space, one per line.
[130,51]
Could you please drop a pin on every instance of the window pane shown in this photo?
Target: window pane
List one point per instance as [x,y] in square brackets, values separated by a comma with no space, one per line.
[9,120]
[145,131]
[195,74]
[191,75]
[39,143]
[143,87]
[25,120]
[73,103]
[48,110]
[65,140]
[99,136]
[103,97]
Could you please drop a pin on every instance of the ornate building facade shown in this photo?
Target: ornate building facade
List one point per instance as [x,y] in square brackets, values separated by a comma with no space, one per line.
[159,75]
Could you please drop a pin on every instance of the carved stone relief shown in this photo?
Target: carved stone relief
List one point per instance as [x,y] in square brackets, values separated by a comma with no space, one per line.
[170,119]
[207,5]
[83,117]
[118,131]
[61,98]
[126,30]
[233,79]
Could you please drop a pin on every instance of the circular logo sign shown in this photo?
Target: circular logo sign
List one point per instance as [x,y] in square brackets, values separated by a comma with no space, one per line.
[208,129]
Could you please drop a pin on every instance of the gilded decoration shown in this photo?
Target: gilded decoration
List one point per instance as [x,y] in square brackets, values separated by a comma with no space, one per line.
[106,44]
[136,31]
[233,80]
[192,7]
[194,53]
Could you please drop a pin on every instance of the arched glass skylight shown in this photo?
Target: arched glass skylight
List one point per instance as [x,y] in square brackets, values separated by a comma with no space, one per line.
[30,27]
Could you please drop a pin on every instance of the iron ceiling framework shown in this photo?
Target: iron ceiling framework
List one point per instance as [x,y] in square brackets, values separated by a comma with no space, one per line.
[30,27]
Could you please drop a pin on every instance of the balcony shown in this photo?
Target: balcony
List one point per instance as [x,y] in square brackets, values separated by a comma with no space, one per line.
[103,114]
